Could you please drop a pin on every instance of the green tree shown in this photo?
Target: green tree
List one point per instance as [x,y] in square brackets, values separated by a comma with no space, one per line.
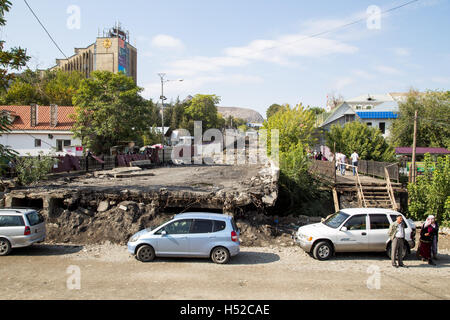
[431,193]
[43,87]
[34,169]
[433,129]
[274,108]
[367,141]
[296,135]
[109,110]
[295,126]
[12,59]
[202,108]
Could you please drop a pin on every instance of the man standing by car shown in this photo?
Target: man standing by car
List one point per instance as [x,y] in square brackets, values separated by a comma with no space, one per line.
[397,235]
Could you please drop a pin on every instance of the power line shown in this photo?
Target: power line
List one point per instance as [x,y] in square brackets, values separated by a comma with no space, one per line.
[51,38]
[327,31]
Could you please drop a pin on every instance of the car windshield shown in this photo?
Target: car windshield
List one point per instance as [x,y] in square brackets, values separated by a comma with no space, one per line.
[335,220]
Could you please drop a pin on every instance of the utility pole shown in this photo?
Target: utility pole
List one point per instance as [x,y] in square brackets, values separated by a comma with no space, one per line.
[162,75]
[413,166]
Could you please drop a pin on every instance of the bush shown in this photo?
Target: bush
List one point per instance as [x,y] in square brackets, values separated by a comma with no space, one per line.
[30,170]
[431,192]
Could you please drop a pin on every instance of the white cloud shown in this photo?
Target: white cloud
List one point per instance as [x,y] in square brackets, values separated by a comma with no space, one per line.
[402,52]
[387,70]
[441,80]
[342,83]
[166,41]
[281,51]
[193,84]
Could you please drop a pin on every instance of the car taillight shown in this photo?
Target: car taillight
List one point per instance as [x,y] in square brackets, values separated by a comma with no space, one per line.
[234,236]
[27,231]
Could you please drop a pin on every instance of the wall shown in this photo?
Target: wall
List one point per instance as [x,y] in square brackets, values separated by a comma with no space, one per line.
[24,143]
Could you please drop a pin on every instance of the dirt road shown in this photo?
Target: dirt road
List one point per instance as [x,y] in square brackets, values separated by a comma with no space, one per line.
[108,272]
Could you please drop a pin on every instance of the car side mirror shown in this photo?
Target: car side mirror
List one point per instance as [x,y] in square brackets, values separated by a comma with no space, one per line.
[163,233]
[344,229]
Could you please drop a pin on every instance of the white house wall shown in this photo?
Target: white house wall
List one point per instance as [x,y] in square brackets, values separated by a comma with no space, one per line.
[23,143]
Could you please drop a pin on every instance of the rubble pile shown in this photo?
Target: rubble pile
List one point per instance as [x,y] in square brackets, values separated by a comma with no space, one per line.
[113,205]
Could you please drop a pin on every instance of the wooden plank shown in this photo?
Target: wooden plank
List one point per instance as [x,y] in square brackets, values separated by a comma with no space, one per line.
[336,200]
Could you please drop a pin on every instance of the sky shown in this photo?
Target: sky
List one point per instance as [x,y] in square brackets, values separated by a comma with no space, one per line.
[253,53]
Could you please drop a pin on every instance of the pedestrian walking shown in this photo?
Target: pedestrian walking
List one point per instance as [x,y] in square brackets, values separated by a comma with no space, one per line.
[343,163]
[428,232]
[397,235]
[355,158]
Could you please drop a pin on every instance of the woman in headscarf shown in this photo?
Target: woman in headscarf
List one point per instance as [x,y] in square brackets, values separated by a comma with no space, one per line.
[427,234]
[434,241]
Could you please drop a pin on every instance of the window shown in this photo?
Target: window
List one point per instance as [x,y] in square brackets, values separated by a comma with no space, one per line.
[394,218]
[178,227]
[335,220]
[37,142]
[358,107]
[11,221]
[34,218]
[369,124]
[379,221]
[383,127]
[219,225]
[202,226]
[60,144]
[368,107]
[356,223]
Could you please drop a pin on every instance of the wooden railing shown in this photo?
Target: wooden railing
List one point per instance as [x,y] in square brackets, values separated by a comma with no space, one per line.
[390,190]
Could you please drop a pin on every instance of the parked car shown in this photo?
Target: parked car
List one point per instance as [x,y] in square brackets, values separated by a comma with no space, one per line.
[202,235]
[353,230]
[20,228]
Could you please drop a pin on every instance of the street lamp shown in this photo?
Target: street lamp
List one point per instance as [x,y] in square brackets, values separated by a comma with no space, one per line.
[161,76]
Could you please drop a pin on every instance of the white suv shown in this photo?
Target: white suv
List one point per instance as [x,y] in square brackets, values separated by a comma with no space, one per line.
[353,230]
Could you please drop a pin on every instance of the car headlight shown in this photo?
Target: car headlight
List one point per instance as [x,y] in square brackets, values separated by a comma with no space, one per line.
[134,238]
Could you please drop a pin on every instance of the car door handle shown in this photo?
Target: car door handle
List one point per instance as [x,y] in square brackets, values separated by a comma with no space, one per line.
[364,234]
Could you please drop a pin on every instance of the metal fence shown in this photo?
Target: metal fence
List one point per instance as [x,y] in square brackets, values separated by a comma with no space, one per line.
[376,169]
[324,169]
[372,168]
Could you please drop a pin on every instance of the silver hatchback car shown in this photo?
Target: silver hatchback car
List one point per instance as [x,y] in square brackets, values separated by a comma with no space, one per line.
[20,228]
[202,235]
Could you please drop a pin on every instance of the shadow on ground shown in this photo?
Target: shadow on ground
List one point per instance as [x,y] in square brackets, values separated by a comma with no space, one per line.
[243,258]
[442,261]
[46,250]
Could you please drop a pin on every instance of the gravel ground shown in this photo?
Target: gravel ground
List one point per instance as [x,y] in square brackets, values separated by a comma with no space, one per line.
[109,272]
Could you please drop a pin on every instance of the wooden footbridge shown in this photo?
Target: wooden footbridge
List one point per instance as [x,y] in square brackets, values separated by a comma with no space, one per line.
[375,184]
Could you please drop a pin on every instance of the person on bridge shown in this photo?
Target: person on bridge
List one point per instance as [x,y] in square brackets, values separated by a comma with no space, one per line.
[343,161]
[355,158]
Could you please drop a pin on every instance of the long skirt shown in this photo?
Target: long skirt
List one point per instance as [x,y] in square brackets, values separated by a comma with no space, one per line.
[425,250]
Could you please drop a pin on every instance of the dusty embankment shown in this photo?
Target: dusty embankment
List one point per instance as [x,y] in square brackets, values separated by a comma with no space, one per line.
[113,205]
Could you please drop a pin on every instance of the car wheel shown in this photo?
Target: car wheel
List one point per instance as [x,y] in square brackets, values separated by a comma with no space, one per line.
[5,247]
[323,250]
[145,253]
[389,251]
[220,255]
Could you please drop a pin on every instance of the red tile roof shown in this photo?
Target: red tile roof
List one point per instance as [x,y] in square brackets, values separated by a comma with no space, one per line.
[22,119]
[421,150]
